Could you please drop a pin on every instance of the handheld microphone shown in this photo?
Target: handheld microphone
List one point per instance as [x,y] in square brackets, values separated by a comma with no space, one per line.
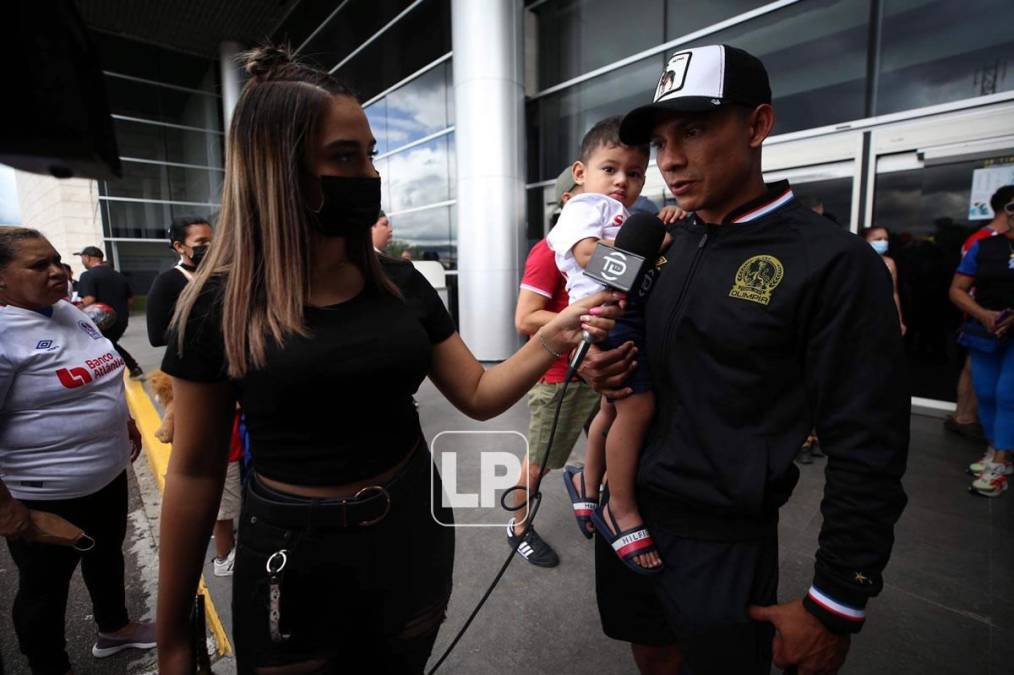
[621,266]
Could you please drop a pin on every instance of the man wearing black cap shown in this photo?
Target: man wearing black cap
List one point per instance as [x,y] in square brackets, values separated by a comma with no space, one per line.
[766,321]
[101,283]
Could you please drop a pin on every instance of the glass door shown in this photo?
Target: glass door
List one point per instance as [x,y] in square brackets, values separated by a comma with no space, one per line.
[823,171]
[930,200]
[829,189]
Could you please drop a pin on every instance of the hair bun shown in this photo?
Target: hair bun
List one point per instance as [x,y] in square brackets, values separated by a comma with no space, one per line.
[267,62]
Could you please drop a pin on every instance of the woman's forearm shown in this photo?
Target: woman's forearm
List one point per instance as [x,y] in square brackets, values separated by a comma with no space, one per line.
[504,384]
[963,301]
[189,507]
[481,393]
[532,322]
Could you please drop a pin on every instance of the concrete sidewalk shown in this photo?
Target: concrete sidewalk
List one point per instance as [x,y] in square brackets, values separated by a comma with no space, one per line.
[947,607]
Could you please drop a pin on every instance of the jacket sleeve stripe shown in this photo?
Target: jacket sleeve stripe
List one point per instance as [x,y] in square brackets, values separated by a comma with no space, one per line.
[844,611]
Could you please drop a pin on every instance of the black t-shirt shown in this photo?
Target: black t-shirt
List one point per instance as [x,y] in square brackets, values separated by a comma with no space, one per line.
[109,287]
[161,304]
[990,261]
[335,406]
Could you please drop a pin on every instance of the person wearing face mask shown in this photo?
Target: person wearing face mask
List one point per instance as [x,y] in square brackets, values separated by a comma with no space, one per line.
[879,238]
[189,238]
[343,561]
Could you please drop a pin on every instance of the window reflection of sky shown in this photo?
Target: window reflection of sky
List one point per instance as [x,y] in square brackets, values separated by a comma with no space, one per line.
[416,110]
[935,51]
[376,114]
[424,174]
[430,228]
[419,176]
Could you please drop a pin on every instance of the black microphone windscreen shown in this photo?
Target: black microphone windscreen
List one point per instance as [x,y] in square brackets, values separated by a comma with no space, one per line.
[642,235]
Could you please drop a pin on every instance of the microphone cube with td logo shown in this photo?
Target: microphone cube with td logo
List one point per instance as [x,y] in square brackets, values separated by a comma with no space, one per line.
[614,267]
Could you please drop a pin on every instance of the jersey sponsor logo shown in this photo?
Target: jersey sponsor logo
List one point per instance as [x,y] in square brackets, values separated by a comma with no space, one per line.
[90,330]
[45,345]
[757,279]
[618,220]
[74,378]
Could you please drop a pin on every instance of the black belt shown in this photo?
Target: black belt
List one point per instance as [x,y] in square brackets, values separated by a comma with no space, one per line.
[367,507]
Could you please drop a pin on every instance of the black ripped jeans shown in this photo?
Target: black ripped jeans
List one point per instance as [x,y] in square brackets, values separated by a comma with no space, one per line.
[351,599]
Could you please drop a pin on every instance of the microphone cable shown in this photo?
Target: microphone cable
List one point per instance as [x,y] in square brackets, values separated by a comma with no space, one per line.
[534,501]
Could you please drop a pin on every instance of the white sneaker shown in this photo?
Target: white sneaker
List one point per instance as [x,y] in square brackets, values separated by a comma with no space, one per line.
[223,567]
[993,481]
[976,468]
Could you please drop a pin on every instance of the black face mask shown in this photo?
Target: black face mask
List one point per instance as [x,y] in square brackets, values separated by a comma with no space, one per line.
[350,204]
[198,254]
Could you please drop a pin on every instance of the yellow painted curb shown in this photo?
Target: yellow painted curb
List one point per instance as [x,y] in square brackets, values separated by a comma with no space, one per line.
[148,420]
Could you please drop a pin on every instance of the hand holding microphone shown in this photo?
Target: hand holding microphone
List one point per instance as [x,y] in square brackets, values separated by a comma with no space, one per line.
[589,319]
[621,267]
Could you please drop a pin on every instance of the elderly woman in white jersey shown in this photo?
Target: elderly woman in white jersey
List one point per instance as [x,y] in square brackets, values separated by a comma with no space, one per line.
[66,439]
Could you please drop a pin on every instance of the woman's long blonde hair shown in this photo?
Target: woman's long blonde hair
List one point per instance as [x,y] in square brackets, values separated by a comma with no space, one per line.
[262,243]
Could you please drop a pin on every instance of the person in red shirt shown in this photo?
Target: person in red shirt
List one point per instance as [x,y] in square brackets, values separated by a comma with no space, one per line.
[965,421]
[543,294]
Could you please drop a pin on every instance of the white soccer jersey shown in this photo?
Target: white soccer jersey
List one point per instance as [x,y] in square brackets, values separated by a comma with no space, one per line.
[583,216]
[63,413]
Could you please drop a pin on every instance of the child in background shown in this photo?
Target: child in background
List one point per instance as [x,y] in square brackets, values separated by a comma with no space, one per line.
[611,176]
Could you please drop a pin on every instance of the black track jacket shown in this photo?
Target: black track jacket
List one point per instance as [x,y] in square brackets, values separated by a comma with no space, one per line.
[757,330]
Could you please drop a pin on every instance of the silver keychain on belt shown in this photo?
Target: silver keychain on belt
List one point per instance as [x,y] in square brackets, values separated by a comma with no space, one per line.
[275,565]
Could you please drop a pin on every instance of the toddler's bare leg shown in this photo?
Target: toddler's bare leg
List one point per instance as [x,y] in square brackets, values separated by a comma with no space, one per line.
[623,448]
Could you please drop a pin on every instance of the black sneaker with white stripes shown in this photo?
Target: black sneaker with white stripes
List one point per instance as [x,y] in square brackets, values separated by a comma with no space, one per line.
[532,547]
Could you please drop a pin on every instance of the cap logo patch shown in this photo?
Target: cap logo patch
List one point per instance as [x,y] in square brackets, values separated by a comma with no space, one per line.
[674,76]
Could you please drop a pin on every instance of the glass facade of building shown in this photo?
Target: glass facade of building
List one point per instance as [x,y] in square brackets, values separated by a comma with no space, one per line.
[167,113]
[396,56]
[877,104]
[835,65]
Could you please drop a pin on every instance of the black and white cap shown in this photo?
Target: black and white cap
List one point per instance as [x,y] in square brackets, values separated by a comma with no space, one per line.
[700,79]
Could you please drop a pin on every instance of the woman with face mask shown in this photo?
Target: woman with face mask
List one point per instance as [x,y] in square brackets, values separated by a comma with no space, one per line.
[340,565]
[879,239]
[189,238]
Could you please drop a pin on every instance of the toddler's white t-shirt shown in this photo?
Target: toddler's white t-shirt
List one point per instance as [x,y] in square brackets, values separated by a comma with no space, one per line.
[583,216]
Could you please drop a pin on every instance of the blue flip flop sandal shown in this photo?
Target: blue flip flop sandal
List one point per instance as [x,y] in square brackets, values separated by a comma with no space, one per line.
[628,544]
[583,506]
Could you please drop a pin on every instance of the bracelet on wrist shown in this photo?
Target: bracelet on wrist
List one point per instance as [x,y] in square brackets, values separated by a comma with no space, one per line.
[546,346]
